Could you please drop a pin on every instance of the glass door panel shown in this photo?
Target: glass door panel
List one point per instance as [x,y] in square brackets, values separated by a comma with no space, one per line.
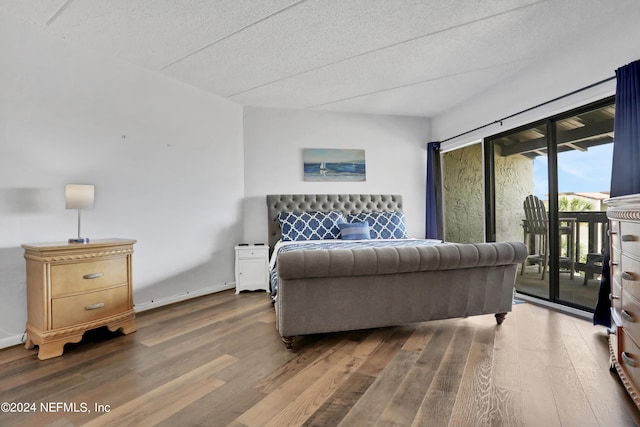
[520,169]
[585,148]
[562,168]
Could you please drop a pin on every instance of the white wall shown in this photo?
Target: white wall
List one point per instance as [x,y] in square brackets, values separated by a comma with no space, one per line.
[166,160]
[395,154]
[573,68]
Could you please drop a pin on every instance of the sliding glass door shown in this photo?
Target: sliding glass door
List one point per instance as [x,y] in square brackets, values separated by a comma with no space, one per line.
[585,151]
[545,185]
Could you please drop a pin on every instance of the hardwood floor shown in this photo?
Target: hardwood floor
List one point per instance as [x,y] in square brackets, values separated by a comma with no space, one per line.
[217,360]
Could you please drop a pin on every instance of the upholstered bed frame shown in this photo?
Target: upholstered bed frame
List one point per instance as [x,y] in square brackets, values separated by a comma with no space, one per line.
[337,290]
[347,203]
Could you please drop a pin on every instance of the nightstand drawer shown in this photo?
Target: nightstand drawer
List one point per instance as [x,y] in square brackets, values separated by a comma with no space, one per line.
[248,253]
[74,310]
[88,276]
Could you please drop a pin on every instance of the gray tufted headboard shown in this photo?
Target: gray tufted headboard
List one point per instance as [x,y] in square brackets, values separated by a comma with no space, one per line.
[347,203]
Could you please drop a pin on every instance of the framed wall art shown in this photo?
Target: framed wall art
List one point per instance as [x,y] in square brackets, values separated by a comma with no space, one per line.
[333,164]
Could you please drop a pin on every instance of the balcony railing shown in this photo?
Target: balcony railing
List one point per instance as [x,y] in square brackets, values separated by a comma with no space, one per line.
[589,239]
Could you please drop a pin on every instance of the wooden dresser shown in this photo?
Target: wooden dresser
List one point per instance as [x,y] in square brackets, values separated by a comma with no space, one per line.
[74,287]
[624,240]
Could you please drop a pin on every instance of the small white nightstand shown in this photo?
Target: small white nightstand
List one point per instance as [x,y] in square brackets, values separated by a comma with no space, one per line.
[252,268]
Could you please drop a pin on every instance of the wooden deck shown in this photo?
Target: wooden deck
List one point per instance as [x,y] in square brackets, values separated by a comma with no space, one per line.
[571,290]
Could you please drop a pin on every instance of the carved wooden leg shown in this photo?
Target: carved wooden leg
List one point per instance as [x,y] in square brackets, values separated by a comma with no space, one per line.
[288,342]
[125,328]
[29,344]
[500,317]
[54,348]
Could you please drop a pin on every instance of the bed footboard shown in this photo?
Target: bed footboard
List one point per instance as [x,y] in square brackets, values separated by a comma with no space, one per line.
[330,291]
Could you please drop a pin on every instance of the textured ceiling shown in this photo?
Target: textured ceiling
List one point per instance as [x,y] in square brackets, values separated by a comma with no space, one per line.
[409,57]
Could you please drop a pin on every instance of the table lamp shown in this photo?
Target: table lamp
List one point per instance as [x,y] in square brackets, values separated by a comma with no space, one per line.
[79,196]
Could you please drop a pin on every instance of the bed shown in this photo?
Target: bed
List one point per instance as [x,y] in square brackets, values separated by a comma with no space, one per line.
[325,281]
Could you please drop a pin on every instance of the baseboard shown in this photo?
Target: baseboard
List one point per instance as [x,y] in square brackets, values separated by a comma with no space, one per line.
[155,303]
[11,341]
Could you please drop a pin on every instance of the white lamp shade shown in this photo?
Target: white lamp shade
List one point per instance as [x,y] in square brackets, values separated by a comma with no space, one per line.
[79,196]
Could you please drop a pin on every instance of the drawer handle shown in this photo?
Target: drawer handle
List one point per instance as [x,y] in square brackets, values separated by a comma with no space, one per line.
[612,297]
[628,316]
[613,232]
[627,359]
[94,306]
[628,276]
[92,275]
[628,238]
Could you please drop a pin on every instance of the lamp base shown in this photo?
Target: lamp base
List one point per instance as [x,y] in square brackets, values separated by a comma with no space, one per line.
[79,240]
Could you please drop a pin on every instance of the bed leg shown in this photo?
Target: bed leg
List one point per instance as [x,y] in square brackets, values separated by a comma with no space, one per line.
[500,317]
[288,342]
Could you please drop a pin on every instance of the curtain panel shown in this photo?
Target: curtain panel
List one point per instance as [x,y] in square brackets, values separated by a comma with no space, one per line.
[625,174]
[434,218]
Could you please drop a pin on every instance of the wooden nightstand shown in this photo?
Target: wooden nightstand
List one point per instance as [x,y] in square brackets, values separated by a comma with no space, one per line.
[74,287]
[252,268]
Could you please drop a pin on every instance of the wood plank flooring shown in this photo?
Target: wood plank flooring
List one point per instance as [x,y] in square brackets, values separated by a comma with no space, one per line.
[218,361]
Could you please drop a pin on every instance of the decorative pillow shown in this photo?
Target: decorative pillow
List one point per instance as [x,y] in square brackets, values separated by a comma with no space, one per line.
[310,225]
[383,225]
[354,231]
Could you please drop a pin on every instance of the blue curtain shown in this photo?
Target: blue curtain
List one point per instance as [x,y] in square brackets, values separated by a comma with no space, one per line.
[434,223]
[625,175]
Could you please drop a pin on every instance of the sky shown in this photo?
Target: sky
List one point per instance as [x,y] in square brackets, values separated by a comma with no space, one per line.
[578,171]
[330,155]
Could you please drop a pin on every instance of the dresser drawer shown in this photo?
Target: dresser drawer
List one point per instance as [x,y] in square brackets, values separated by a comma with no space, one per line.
[628,275]
[87,276]
[245,253]
[630,238]
[630,315]
[77,309]
[615,265]
[630,358]
[614,234]
[616,295]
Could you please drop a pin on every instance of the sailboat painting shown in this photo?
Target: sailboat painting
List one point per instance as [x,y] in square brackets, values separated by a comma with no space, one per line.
[333,164]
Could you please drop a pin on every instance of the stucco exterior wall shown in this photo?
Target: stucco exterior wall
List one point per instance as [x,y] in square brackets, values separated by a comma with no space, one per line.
[514,182]
[463,195]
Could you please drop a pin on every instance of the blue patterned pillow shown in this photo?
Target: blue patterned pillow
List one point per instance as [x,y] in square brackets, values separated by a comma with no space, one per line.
[354,231]
[383,225]
[310,225]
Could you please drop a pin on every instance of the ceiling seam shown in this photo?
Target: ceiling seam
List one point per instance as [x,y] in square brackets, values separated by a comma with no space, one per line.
[58,12]
[233,33]
[348,98]
[389,46]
